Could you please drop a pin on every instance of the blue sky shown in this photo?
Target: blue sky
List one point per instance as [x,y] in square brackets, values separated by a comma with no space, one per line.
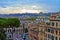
[32,6]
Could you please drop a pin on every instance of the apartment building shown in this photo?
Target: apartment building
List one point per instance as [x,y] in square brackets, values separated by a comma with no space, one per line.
[52,32]
[33,31]
[42,31]
[13,33]
[36,30]
[9,34]
[43,18]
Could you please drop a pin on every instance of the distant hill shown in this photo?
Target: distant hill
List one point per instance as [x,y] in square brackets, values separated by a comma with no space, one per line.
[25,14]
[17,15]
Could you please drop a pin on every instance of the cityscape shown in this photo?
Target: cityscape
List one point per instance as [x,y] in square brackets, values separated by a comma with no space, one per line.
[29,19]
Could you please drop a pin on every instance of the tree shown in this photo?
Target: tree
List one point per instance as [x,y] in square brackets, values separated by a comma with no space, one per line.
[14,22]
[3,36]
[48,23]
[3,22]
[31,19]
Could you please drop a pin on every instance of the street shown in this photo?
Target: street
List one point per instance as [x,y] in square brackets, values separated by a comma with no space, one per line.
[24,36]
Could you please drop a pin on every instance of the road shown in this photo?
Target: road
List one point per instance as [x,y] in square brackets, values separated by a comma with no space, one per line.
[26,36]
[17,37]
[21,37]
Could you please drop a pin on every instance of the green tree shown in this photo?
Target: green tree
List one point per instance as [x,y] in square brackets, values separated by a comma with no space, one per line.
[48,23]
[3,22]
[3,36]
[14,22]
[31,19]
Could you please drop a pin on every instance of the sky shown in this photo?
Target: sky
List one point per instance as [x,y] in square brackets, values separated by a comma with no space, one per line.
[29,6]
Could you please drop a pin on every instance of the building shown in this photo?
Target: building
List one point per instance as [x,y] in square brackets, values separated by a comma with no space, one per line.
[33,31]
[36,30]
[13,33]
[52,32]
[42,31]
[9,34]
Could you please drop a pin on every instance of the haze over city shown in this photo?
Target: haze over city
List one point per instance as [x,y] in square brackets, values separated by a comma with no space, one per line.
[29,6]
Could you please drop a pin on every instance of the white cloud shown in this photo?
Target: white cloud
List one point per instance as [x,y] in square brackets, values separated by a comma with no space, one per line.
[22,9]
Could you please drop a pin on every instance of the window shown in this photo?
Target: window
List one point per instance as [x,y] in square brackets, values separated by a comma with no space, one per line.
[56,24]
[56,32]
[14,30]
[56,38]
[8,30]
[52,31]
[52,24]
[51,36]
[59,32]
[59,38]
[48,30]
[9,36]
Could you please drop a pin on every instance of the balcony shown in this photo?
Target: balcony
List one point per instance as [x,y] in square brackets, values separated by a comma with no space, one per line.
[57,18]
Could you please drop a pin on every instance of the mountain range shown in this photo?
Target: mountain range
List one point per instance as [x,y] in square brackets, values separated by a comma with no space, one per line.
[25,14]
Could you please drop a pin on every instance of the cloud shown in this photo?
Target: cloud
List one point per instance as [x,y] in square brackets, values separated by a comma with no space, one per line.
[21,9]
[31,8]
[17,6]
